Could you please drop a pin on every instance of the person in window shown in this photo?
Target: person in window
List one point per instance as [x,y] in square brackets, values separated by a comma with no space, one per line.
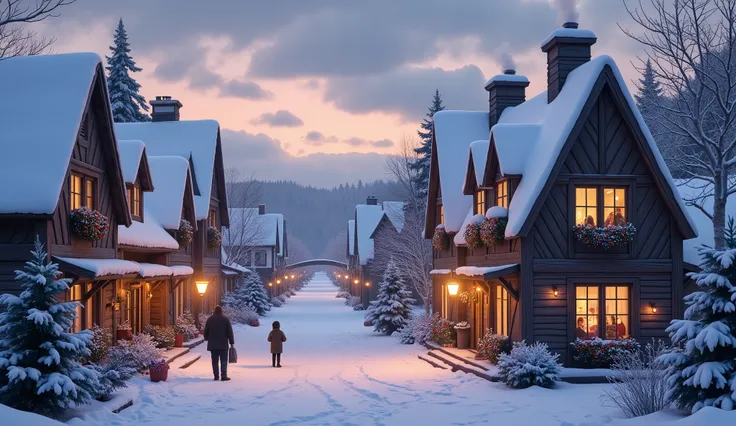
[593,329]
[580,330]
[615,218]
[620,329]
[589,221]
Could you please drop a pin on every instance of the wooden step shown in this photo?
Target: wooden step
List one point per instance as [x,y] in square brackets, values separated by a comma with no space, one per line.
[456,364]
[188,361]
[432,363]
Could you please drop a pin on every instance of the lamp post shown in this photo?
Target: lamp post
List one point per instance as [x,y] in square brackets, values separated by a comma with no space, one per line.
[202,289]
[452,289]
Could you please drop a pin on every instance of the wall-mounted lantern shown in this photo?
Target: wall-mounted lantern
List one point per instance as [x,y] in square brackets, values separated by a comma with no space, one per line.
[201,286]
[452,288]
[555,291]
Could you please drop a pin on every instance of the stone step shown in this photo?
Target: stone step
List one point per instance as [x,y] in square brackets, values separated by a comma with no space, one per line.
[432,363]
[186,362]
[436,347]
[457,363]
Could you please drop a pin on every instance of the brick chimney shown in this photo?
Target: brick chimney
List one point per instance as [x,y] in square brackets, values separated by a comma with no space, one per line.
[371,200]
[261,209]
[567,48]
[505,90]
[165,109]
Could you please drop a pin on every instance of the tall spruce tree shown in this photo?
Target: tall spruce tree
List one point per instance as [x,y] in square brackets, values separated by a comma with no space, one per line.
[40,360]
[650,91]
[249,291]
[391,310]
[124,97]
[702,367]
[421,166]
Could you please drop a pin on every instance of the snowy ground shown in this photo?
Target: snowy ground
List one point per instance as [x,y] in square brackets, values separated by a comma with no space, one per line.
[337,372]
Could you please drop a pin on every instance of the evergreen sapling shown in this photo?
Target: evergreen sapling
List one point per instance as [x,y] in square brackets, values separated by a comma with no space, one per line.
[391,310]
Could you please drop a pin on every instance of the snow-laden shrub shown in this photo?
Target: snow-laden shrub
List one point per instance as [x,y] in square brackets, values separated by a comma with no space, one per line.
[418,329]
[184,325]
[282,298]
[491,346]
[249,291]
[241,314]
[292,292]
[202,320]
[529,365]
[112,377]
[100,344]
[275,302]
[342,295]
[598,353]
[163,336]
[356,304]
[287,293]
[443,331]
[136,353]
[639,382]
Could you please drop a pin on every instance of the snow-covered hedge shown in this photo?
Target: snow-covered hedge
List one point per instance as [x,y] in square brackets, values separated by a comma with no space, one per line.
[163,336]
[342,295]
[598,353]
[356,304]
[417,330]
[276,302]
[529,365]
[100,344]
[241,314]
[282,298]
[136,353]
[491,346]
[184,325]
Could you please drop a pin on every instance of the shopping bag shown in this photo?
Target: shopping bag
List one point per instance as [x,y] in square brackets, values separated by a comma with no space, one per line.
[232,357]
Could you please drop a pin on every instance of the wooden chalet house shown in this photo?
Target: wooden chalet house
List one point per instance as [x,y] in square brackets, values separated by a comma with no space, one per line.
[383,236]
[578,154]
[66,161]
[197,142]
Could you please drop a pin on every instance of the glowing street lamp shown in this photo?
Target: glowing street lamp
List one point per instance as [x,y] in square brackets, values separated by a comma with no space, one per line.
[270,284]
[367,284]
[292,276]
[278,281]
[201,286]
[356,281]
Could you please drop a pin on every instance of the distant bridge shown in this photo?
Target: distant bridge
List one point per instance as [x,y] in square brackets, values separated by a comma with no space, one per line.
[317,262]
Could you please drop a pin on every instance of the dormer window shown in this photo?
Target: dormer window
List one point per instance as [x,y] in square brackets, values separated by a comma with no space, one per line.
[81,191]
[502,194]
[134,201]
[441,214]
[480,201]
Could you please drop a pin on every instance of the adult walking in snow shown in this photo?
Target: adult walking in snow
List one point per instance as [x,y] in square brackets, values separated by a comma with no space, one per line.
[218,331]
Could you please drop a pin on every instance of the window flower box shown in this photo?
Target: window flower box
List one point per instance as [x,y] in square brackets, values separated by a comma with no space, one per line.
[599,353]
[472,232]
[441,239]
[88,225]
[606,237]
[214,237]
[185,234]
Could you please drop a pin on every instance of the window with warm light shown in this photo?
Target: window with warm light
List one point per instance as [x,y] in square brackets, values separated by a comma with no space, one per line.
[589,318]
[590,199]
[614,206]
[212,218]
[586,206]
[480,202]
[75,185]
[502,194]
[75,295]
[502,310]
[441,214]
[134,200]
[81,191]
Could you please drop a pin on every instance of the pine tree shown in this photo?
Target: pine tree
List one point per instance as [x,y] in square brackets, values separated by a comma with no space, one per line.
[702,368]
[249,291]
[391,310]
[421,166]
[124,97]
[650,91]
[40,361]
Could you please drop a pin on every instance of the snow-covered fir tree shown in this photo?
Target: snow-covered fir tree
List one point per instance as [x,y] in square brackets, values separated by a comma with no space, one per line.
[40,360]
[421,166]
[124,97]
[249,291]
[391,310]
[702,368]
[650,92]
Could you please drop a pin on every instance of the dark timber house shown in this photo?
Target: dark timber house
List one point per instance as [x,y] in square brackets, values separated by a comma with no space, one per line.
[198,142]
[59,153]
[578,153]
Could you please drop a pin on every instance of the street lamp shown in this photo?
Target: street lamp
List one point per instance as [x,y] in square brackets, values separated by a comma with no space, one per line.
[201,289]
[452,288]
[367,284]
[356,281]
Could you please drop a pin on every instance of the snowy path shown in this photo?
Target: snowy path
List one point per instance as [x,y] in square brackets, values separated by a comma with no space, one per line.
[338,372]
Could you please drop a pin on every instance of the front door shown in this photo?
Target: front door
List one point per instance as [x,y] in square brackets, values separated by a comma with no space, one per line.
[135,311]
[481,314]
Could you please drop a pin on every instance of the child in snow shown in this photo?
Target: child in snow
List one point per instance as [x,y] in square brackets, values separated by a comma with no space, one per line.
[277,339]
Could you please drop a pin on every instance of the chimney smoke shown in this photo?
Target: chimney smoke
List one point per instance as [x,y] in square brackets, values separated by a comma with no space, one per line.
[504,58]
[567,10]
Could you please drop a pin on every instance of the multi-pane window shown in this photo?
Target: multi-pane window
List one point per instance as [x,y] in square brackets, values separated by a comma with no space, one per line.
[614,206]
[81,191]
[588,202]
[502,194]
[260,258]
[75,295]
[502,310]
[589,317]
[134,200]
[212,218]
[480,202]
[441,213]
[586,206]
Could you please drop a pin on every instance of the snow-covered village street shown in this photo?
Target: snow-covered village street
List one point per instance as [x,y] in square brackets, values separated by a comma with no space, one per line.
[337,372]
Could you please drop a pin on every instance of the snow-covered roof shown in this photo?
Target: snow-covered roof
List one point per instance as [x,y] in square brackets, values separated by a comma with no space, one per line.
[474,271]
[147,234]
[170,174]
[181,270]
[103,267]
[454,132]
[555,121]
[514,143]
[351,237]
[43,102]
[459,238]
[150,270]
[694,189]
[232,265]
[367,217]
[189,138]
[478,152]
[130,153]
[508,77]
[395,213]
[440,272]
[263,228]
[568,33]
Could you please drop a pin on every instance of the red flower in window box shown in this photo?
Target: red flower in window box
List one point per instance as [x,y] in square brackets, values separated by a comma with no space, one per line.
[441,239]
[88,224]
[214,237]
[472,233]
[493,230]
[605,237]
[185,234]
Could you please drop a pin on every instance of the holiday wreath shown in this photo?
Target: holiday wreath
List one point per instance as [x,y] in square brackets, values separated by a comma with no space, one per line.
[89,224]
[605,237]
[440,239]
[185,234]
[214,237]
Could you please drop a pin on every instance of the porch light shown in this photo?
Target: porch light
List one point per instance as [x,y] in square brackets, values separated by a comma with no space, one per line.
[286,277]
[477,289]
[654,307]
[201,286]
[270,284]
[367,284]
[555,291]
[452,288]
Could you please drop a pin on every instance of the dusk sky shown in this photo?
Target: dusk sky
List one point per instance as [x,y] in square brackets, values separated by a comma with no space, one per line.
[315,90]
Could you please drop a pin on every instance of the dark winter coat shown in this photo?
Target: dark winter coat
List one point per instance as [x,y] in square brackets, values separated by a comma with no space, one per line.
[277,339]
[218,331]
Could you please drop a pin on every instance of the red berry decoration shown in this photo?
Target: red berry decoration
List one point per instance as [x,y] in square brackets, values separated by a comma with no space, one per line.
[88,224]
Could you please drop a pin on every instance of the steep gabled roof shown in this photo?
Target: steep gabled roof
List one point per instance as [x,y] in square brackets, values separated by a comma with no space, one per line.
[134,163]
[394,211]
[477,154]
[195,139]
[351,237]
[44,101]
[147,234]
[367,217]
[173,189]
[262,230]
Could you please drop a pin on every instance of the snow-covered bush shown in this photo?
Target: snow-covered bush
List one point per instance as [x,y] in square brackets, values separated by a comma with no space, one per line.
[491,346]
[163,336]
[529,365]
[597,353]
[202,320]
[639,382]
[40,362]
[100,344]
[701,370]
[136,353]
[276,302]
[292,292]
[112,377]
[282,298]
[443,331]
[342,295]
[418,330]
[184,325]
[356,304]
[392,308]
[241,314]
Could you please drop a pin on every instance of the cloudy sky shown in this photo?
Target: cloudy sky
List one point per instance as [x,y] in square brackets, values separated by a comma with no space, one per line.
[319,90]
